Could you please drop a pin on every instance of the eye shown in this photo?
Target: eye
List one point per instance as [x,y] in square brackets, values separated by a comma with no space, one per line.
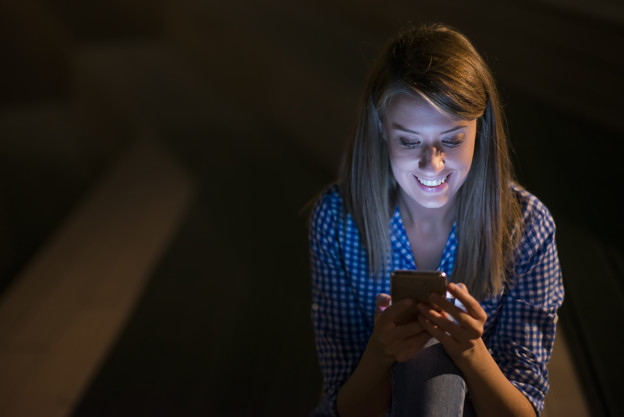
[453,142]
[409,143]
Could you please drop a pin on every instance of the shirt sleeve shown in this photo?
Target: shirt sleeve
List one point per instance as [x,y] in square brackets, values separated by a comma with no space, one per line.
[337,322]
[523,340]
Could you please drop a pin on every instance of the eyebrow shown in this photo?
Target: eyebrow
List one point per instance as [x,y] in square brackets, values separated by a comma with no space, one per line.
[397,126]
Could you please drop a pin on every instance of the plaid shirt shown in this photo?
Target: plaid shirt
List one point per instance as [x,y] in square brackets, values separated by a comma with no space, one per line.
[520,328]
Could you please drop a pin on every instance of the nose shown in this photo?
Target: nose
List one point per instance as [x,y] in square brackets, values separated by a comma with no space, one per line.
[431,160]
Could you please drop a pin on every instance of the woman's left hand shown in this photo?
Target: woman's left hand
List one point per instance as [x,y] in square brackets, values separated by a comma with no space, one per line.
[461,338]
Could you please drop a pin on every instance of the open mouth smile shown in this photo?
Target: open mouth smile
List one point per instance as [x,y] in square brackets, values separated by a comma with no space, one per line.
[432,183]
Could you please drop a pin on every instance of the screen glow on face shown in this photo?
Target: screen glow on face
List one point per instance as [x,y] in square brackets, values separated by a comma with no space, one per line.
[430,151]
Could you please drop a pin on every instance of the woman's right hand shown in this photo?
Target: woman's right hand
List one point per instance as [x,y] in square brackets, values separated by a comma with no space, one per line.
[391,341]
[368,391]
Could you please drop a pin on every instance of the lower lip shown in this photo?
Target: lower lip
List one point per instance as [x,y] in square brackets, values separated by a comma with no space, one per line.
[435,189]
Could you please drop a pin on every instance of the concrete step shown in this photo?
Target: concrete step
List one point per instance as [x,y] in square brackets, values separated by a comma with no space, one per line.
[567,395]
[593,314]
[61,317]
[48,160]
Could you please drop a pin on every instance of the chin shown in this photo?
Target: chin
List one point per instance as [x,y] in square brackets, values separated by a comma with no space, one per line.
[433,204]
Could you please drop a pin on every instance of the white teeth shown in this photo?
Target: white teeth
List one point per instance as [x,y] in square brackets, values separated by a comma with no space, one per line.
[432,183]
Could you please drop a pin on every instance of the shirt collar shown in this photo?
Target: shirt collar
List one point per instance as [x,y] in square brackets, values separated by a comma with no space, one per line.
[401,246]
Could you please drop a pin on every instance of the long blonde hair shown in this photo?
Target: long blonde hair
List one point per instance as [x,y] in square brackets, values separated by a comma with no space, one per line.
[442,65]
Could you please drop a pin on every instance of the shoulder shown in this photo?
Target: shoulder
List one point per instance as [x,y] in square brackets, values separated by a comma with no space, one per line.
[328,208]
[536,251]
[328,217]
[538,222]
[329,198]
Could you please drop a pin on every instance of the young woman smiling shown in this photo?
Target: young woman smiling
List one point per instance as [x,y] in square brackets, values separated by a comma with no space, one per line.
[427,184]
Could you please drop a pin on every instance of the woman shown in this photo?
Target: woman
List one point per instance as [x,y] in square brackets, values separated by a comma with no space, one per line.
[427,184]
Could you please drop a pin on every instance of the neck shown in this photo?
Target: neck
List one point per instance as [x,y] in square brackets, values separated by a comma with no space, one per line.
[424,219]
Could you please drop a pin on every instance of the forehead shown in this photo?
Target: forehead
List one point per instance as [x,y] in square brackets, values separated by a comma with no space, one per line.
[414,111]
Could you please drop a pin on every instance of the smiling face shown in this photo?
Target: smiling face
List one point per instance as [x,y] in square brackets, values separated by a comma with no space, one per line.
[430,151]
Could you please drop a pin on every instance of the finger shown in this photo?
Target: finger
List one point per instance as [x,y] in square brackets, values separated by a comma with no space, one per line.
[407,348]
[390,314]
[406,331]
[389,337]
[443,304]
[465,328]
[383,301]
[447,340]
[472,306]
[438,318]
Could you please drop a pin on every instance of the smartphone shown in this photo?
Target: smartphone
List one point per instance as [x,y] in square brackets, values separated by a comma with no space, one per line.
[417,285]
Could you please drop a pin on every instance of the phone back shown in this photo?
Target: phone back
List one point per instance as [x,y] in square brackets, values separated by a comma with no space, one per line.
[416,285]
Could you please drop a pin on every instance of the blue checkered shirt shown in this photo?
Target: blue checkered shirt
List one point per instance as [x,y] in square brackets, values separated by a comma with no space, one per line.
[520,328]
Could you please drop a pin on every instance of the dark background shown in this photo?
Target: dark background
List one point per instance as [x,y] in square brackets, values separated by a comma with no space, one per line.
[256,100]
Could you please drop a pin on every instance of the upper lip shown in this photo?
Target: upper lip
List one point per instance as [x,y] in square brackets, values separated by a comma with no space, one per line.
[443,177]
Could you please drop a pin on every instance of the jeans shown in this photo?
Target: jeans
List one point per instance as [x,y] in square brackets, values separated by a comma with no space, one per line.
[428,385]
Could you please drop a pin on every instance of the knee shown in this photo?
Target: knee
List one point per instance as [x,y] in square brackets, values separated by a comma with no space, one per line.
[428,363]
[429,384]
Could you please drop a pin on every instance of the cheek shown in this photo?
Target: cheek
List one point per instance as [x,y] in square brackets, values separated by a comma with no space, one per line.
[402,159]
[467,160]
[401,167]
[463,158]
